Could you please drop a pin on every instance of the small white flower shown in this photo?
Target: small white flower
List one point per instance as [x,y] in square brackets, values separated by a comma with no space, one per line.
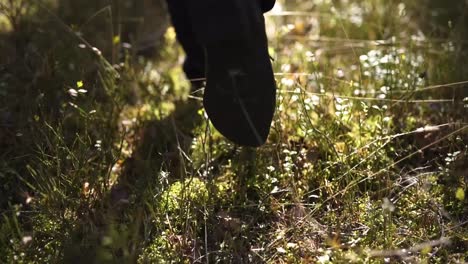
[281,250]
[340,73]
[387,205]
[97,51]
[26,239]
[72,92]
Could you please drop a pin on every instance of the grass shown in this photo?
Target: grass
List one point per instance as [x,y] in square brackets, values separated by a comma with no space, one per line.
[107,158]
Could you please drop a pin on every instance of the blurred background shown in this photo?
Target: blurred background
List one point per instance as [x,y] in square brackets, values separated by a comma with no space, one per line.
[106,155]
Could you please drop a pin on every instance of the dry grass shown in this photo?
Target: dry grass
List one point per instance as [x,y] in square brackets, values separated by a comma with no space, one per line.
[106,157]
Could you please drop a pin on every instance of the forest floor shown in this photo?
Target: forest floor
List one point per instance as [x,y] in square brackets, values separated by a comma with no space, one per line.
[108,157]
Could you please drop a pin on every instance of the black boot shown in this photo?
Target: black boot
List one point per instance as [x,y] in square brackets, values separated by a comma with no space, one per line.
[267,5]
[240,93]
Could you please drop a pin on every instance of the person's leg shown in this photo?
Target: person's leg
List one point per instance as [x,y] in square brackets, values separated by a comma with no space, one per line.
[267,5]
[240,94]
[194,65]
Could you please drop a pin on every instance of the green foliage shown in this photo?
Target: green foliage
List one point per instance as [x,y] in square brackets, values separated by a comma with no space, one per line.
[174,199]
[107,158]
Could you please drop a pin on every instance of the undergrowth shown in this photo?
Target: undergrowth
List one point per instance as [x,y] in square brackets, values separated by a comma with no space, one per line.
[108,157]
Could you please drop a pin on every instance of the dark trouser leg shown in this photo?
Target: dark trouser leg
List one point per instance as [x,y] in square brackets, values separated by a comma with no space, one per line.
[185,20]
[267,5]
[194,65]
[240,93]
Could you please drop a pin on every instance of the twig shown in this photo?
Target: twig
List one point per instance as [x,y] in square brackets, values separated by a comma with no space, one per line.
[443,241]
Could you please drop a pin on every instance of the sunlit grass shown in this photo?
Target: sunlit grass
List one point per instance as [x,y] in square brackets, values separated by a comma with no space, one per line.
[118,163]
